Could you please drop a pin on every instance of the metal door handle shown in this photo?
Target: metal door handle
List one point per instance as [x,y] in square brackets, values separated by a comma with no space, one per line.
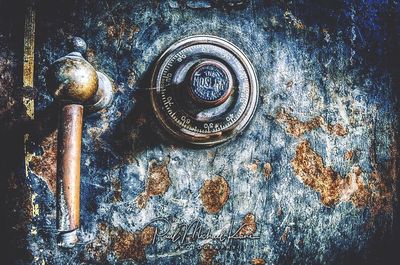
[76,85]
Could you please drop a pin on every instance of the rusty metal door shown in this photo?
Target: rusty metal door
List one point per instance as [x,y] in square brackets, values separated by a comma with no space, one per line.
[311,178]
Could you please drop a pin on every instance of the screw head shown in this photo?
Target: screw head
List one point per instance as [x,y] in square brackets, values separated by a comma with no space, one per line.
[77,44]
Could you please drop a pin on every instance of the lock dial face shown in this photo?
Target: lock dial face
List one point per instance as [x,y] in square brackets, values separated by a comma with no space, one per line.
[206,90]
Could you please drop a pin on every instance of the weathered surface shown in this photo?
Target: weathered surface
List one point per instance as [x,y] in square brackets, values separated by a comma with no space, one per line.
[331,67]
[45,165]
[158,182]
[214,194]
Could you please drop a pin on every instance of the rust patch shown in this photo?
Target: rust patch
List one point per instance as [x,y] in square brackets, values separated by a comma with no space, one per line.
[297,128]
[267,170]
[258,261]
[131,246]
[289,84]
[377,195]
[117,190]
[158,182]
[248,226]
[310,169]
[291,19]
[142,200]
[214,194]
[349,155]
[207,255]
[45,165]
[337,129]
[285,234]
[252,167]
[124,244]
[98,248]
[91,56]
[257,166]
[121,29]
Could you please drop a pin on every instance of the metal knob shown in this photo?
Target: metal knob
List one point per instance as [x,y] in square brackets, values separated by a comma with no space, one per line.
[76,85]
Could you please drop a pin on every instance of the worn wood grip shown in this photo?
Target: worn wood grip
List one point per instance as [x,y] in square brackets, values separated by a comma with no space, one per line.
[68,172]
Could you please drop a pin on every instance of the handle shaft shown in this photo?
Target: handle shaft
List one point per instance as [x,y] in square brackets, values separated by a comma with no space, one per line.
[69,150]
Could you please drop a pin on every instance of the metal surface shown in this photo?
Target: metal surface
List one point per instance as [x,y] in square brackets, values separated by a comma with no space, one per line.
[206,90]
[314,175]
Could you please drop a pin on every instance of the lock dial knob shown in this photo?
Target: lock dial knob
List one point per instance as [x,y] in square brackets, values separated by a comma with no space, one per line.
[206,90]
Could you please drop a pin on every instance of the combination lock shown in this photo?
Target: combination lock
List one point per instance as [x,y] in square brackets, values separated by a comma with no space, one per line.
[206,90]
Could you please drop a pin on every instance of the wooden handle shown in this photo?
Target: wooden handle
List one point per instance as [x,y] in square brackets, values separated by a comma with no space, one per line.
[68,173]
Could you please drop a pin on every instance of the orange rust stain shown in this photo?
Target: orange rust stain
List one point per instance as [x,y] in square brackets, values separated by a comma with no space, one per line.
[45,166]
[267,170]
[349,155]
[248,225]
[252,167]
[214,194]
[297,128]
[257,166]
[158,182]
[377,195]
[124,244]
[142,200]
[258,261]
[131,246]
[207,255]
[310,169]
[337,129]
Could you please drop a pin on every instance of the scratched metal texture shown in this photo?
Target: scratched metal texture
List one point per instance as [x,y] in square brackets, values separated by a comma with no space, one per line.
[318,65]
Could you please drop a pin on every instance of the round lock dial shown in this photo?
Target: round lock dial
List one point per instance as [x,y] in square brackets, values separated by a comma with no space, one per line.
[206,90]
